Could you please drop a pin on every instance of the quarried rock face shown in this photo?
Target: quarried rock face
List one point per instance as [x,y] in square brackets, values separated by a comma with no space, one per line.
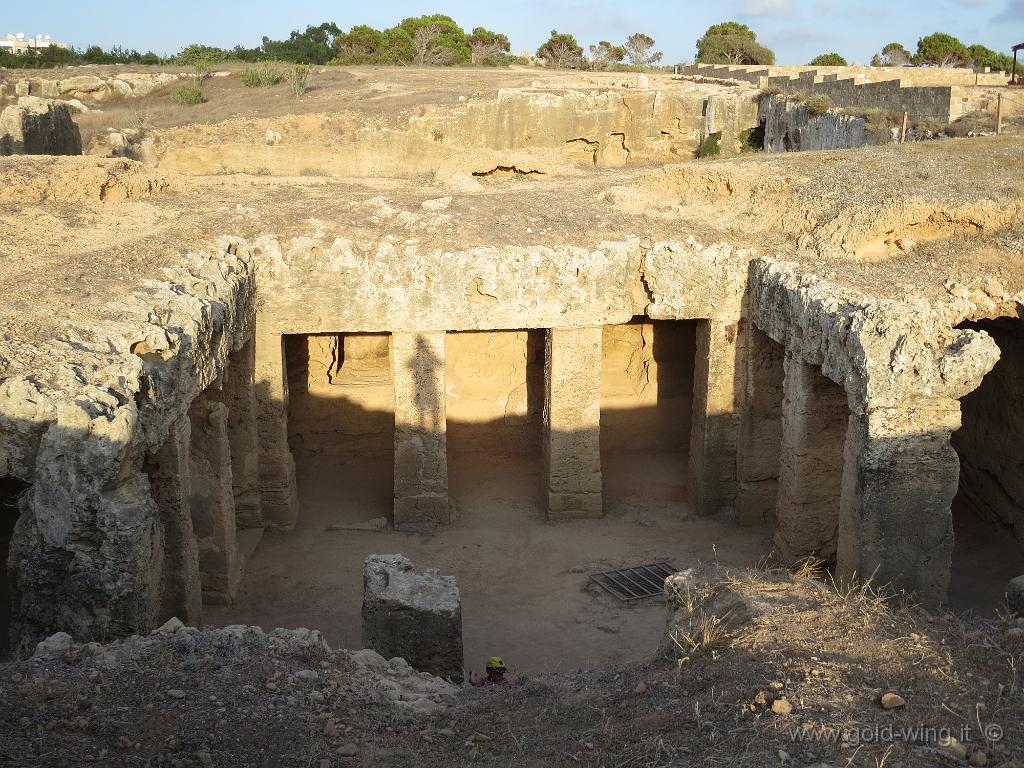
[37,126]
[417,616]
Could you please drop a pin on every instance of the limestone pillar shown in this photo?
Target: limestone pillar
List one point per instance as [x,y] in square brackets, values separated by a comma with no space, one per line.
[213,504]
[238,393]
[279,501]
[760,431]
[171,488]
[901,474]
[421,445]
[814,421]
[572,423]
[716,383]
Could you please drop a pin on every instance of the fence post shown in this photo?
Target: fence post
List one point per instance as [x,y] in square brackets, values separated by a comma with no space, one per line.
[999,115]
[903,131]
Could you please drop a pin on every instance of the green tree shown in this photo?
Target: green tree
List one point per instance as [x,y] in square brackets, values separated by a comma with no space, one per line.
[436,40]
[638,50]
[201,59]
[360,44]
[486,46]
[828,60]
[732,43]
[395,47]
[314,46]
[604,55]
[941,50]
[981,57]
[895,55]
[561,50]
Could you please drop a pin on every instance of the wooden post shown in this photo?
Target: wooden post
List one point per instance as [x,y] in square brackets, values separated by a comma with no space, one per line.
[903,132]
[999,115]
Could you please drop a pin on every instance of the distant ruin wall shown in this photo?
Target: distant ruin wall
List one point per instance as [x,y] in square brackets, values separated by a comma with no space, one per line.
[911,76]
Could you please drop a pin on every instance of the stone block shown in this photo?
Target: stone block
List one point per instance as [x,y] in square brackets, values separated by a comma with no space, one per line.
[413,615]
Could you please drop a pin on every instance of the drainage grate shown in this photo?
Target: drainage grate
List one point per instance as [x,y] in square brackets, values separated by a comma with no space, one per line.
[638,582]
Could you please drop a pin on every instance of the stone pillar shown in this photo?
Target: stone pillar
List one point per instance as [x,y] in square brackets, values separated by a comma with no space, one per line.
[213,505]
[572,423]
[760,431]
[814,420]
[279,500]
[901,474]
[171,488]
[716,382]
[421,445]
[238,393]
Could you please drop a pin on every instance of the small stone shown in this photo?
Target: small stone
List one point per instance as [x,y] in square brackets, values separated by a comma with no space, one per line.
[446,731]
[307,674]
[55,645]
[978,759]
[331,729]
[437,204]
[348,750]
[892,700]
[1015,633]
[641,688]
[1015,595]
[783,755]
[782,707]
[176,693]
[204,757]
[951,746]
[325,763]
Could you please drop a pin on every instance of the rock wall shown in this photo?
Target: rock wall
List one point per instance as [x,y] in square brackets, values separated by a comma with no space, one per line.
[789,127]
[96,87]
[647,370]
[532,130]
[38,127]
[990,439]
[87,552]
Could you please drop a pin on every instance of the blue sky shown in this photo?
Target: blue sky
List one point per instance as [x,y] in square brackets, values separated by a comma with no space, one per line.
[796,29]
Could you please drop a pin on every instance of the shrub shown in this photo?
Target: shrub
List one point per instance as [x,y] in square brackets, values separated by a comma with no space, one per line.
[927,127]
[828,60]
[189,94]
[818,104]
[752,139]
[973,122]
[298,78]
[262,76]
[711,146]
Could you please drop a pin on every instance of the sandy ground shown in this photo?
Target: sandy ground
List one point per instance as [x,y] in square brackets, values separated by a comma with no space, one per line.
[523,580]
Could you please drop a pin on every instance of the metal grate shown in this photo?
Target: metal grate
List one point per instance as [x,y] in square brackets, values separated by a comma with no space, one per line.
[639,582]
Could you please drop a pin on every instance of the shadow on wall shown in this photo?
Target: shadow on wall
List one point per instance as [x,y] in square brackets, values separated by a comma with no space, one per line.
[11,490]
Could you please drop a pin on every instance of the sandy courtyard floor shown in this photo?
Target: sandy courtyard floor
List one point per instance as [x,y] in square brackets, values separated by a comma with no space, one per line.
[523,580]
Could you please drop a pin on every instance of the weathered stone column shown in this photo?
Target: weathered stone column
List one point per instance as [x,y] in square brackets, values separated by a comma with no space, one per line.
[421,445]
[901,474]
[279,500]
[238,393]
[572,423]
[760,431]
[712,471]
[213,504]
[171,488]
[814,420]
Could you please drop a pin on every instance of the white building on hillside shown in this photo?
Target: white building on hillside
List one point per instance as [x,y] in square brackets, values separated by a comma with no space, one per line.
[21,44]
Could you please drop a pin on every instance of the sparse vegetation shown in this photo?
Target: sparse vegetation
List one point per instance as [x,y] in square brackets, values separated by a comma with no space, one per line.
[298,79]
[972,123]
[752,140]
[818,104]
[189,94]
[262,76]
[711,146]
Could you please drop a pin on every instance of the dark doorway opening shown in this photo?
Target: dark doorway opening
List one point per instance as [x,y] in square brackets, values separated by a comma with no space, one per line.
[11,491]
[988,510]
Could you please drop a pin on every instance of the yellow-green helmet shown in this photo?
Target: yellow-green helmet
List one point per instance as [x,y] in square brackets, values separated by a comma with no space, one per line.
[496,664]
